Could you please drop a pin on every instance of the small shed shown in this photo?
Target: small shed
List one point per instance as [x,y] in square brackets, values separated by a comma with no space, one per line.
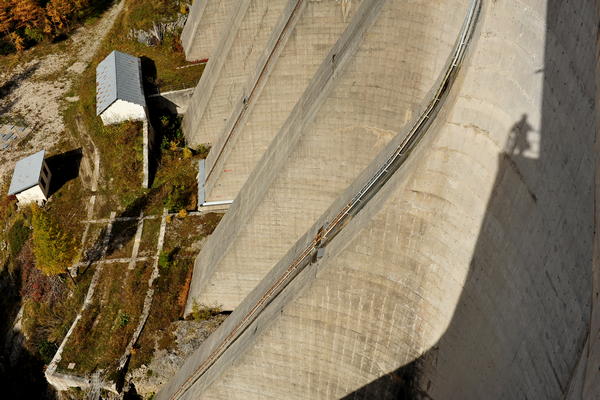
[31,179]
[119,89]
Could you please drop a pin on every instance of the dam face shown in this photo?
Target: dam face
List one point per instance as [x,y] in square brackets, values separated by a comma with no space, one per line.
[462,269]
[342,120]
[203,29]
[253,123]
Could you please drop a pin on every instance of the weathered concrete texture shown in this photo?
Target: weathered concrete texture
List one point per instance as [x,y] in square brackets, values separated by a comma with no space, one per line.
[588,384]
[253,125]
[524,311]
[336,129]
[468,275]
[224,82]
[204,26]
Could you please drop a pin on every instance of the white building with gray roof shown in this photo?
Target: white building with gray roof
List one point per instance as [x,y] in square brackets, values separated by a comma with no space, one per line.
[31,179]
[119,90]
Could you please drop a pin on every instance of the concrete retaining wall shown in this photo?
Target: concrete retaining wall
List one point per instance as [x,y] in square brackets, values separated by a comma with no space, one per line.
[148,148]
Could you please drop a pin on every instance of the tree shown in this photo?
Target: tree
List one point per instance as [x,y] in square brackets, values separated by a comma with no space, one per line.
[6,18]
[27,14]
[59,12]
[54,249]
[17,40]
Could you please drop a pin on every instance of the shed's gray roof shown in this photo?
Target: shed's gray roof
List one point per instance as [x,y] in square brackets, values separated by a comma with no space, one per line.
[118,77]
[27,173]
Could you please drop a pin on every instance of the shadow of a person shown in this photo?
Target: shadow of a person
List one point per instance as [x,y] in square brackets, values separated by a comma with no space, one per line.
[517,142]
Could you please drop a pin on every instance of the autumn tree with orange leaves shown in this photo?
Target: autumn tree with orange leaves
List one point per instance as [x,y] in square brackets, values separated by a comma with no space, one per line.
[28,21]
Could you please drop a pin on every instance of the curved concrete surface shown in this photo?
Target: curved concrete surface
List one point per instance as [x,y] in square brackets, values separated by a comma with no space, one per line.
[469,274]
[253,125]
[205,24]
[319,153]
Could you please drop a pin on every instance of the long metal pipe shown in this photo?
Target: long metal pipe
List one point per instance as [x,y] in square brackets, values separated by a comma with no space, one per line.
[382,175]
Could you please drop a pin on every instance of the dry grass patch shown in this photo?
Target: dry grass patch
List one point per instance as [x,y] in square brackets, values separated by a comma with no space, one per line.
[102,334]
[149,237]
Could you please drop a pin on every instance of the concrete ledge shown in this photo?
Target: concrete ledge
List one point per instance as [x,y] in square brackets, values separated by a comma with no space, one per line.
[175,101]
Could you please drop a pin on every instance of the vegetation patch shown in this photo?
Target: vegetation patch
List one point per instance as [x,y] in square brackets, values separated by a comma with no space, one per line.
[17,236]
[203,312]
[107,325]
[25,23]
[50,307]
[68,199]
[149,237]
[167,307]
[184,234]
[54,249]
[172,285]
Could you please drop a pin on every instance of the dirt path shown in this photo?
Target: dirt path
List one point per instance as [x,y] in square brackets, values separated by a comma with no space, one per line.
[34,92]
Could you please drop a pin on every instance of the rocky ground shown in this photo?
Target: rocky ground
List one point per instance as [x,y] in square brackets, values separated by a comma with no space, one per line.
[150,378]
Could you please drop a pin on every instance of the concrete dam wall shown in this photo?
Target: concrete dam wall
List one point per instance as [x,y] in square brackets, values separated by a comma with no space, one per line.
[342,120]
[259,116]
[206,22]
[462,268]
[240,47]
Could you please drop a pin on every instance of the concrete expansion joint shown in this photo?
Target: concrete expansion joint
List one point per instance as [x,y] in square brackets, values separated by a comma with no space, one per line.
[316,248]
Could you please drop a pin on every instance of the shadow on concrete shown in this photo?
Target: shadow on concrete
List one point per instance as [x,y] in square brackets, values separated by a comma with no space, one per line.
[64,167]
[161,105]
[522,319]
[124,231]
[401,384]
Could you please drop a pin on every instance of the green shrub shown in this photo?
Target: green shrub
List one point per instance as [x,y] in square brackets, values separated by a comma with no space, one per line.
[54,250]
[164,259]
[17,236]
[202,312]
[202,151]
[34,34]
[123,320]
[46,350]
[170,129]
[178,196]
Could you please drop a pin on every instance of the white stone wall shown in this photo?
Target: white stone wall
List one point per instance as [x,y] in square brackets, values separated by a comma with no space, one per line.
[32,195]
[121,111]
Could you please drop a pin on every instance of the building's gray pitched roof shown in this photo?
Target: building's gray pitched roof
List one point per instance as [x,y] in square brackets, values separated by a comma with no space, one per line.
[27,173]
[118,77]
